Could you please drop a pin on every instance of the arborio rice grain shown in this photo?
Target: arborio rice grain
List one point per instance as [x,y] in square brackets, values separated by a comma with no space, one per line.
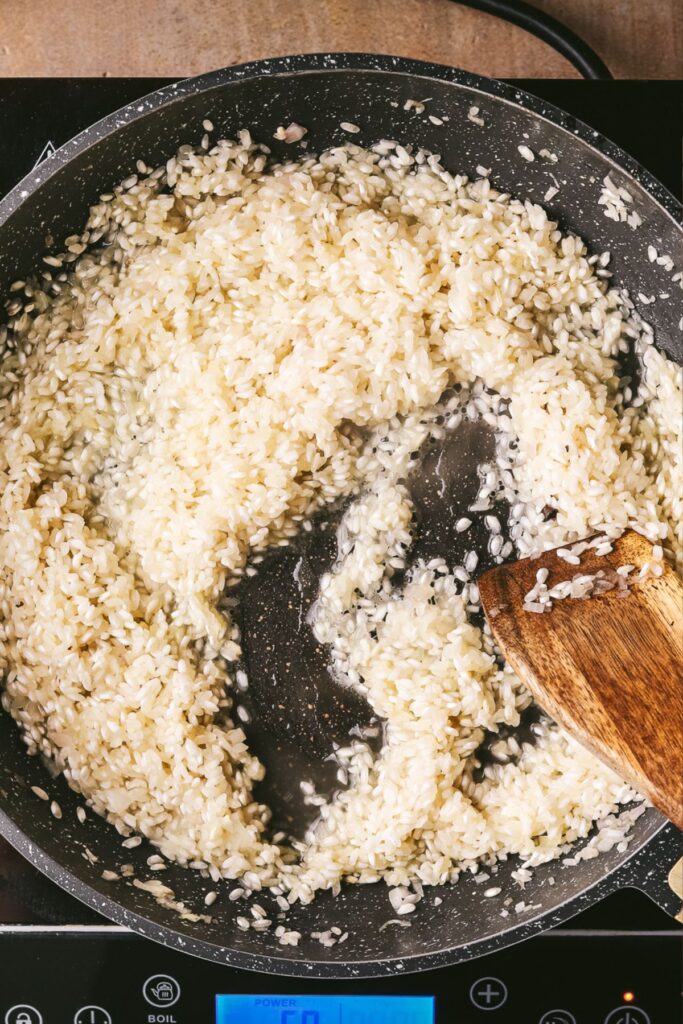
[193,388]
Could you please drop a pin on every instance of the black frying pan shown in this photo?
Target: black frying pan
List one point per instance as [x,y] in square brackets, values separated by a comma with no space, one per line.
[319,92]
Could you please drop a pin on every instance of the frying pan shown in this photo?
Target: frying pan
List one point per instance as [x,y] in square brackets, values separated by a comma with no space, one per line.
[320,91]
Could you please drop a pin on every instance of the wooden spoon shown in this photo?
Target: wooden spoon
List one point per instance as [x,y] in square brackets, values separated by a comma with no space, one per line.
[608,668]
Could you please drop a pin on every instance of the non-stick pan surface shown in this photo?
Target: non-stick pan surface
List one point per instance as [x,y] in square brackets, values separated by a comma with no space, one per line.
[319,92]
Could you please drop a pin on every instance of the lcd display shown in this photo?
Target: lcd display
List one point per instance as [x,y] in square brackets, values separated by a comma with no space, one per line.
[267,1009]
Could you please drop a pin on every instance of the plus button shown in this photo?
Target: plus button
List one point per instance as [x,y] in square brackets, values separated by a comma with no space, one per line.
[488,994]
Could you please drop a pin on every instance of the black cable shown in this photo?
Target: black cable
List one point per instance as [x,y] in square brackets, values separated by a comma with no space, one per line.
[549,30]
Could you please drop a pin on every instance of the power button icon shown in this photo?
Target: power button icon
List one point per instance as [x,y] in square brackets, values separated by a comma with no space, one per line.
[23,1014]
[627,1015]
[92,1015]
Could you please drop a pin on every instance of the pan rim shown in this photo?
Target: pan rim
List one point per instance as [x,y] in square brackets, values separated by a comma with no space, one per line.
[663,837]
[338,62]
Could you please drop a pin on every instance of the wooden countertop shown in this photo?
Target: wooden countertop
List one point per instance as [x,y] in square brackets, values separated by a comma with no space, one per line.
[636,38]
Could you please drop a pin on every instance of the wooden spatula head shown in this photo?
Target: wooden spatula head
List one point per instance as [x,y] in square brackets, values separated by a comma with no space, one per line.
[608,668]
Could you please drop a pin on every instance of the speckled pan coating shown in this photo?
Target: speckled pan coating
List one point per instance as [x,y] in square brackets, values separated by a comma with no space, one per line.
[320,91]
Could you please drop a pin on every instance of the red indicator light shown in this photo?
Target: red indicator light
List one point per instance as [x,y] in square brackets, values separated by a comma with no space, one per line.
[628,997]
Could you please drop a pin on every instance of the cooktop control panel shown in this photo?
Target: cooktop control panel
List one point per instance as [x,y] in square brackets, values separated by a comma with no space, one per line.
[108,976]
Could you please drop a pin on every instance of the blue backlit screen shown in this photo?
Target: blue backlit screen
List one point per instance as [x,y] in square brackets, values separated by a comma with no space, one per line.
[252,1009]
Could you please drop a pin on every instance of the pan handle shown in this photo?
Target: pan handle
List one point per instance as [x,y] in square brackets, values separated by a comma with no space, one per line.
[550,30]
[657,870]
[675,881]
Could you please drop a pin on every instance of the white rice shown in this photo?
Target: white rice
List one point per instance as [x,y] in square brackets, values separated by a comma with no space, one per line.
[615,200]
[182,397]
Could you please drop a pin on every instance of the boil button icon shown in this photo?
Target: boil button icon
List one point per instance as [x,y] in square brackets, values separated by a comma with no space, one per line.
[161,990]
